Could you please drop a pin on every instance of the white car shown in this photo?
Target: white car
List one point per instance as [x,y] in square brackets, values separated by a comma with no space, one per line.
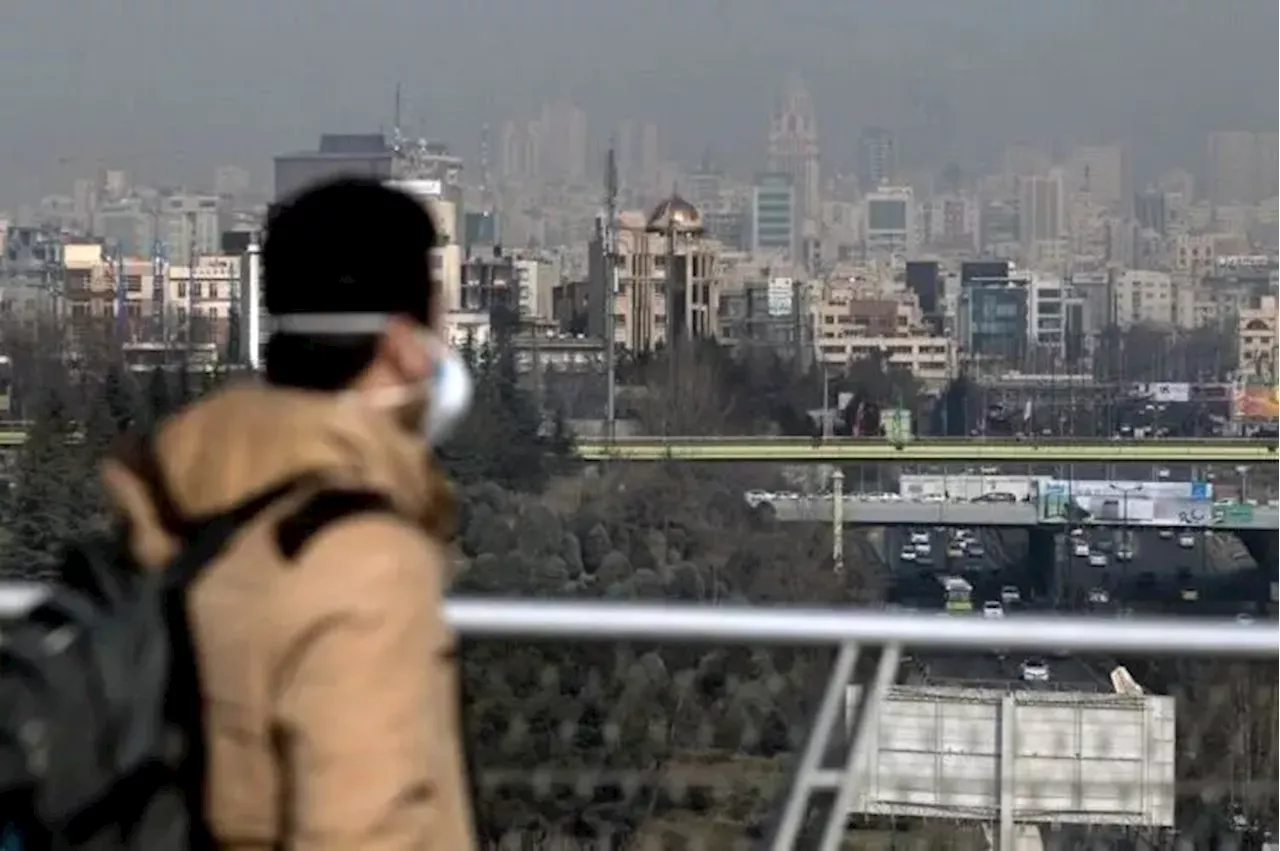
[975,550]
[908,555]
[1187,541]
[1097,559]
[933,497]
[1035,671]
[1081,549]
[1165,534]
[1010,594]
[923,548]
[1099,596]
[918,537]
[993,609]
[1124,554]
[1076,532]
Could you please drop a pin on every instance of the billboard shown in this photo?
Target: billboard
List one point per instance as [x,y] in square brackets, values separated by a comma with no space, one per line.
[779,296]
[1163,504]
[1255,404]
[1164,391]
[896,424]
[1052,757]
[966,487]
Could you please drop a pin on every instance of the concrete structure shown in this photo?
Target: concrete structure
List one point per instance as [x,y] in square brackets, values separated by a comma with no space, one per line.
[1013,757]
[1041,451]
[1010,515]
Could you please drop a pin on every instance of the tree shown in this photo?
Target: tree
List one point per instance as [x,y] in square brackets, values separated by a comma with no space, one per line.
[46,507]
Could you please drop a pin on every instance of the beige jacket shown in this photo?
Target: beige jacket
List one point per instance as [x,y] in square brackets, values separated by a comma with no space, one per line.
[329,685]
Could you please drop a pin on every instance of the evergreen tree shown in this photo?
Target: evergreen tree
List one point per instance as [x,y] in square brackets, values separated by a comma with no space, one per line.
[48,505]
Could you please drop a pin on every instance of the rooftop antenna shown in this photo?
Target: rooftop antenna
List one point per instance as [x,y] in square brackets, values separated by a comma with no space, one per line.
[610,245]
[486,182]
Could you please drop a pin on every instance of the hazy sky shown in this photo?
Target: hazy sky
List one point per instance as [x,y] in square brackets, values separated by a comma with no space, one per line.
[168,89]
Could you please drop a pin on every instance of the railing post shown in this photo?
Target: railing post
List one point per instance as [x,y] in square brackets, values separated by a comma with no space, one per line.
[805,776]
[837,521]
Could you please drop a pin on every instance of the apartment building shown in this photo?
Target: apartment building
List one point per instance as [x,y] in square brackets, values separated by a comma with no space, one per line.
[1140,297]
[1256,327]
[854,319]
[161,303]
[668,280]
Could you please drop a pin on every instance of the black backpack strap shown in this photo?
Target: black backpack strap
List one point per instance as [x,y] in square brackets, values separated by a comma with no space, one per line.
[322,509]
[204,537]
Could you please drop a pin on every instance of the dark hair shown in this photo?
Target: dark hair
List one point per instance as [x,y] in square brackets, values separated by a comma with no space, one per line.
[351,245]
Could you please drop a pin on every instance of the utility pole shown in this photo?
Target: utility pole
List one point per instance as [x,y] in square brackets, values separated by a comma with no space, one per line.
[609,245]
[122,294]
[675,320]
[191,284]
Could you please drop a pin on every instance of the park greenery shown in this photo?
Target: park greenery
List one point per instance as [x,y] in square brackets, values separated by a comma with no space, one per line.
[671,744]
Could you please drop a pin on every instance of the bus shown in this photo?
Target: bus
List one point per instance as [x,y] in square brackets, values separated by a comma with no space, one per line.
[957,594]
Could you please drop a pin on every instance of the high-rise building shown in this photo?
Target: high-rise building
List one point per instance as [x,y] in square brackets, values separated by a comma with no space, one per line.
[520,151]
[1040,210]
[564,146]
[1100,173]
[890,220]
[190,227]
[793,147]
[877,159]
[775,215]
[1233,168]
[1022,159]
[994,321]
[338,154]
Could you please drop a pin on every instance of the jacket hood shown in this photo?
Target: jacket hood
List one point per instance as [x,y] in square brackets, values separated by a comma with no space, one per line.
[248,438]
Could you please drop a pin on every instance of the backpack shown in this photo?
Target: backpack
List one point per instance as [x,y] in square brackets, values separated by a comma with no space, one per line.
[101,745]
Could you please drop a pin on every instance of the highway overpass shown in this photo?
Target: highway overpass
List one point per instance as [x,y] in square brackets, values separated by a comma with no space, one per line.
[927,450]
[986,514]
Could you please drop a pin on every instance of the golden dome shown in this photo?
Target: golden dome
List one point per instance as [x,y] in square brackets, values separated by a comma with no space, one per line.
[675,213]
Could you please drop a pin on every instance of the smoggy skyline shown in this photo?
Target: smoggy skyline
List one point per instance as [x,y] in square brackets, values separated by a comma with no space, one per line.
[169,91]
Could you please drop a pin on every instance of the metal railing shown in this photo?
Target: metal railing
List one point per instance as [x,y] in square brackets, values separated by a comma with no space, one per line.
[852,630]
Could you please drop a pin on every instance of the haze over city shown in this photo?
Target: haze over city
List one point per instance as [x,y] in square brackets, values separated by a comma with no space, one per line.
[865,322]
[169,91]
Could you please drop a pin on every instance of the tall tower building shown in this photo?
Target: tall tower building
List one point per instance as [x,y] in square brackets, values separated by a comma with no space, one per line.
[1101,174]
[1233,160]
[877,159]
[793,147]
[1040,209]
[564,150]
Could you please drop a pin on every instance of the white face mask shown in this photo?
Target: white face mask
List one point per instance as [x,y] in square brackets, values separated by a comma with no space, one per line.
[448,390]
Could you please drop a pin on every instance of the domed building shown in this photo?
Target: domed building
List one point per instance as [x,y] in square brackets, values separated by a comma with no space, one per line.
[675,215]
[664,259]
